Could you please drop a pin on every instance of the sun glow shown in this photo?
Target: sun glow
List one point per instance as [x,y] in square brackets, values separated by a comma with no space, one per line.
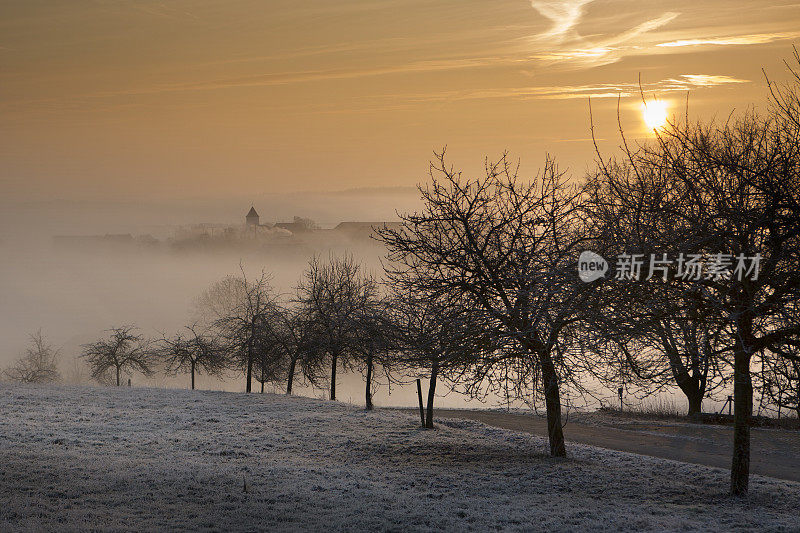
[655,114]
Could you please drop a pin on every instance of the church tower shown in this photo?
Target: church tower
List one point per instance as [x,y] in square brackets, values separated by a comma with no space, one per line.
[252,217]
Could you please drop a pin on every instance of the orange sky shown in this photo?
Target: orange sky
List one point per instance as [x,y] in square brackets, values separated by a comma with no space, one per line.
[144,99]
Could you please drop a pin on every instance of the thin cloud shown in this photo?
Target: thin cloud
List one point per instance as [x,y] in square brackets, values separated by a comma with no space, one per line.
[643,28]
[320,75]
[702,80]
[610,49]
[682,83]
[738,40]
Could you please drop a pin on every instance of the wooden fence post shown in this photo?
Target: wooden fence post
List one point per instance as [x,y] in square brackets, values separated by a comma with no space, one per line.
[421,409]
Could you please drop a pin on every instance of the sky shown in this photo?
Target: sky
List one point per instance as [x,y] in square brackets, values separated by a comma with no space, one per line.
[152,100]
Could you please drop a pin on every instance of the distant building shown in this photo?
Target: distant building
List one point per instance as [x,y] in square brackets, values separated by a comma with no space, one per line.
[305,226]
[294,227]
[252,217]
[299,225]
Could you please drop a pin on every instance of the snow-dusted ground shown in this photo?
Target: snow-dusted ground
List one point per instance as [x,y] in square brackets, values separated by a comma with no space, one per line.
[151,459]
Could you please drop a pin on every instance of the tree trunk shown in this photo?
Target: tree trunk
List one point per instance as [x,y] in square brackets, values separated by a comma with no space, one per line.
[431,396]
[695,403]
[193,364]
[369,383]
[690,385]
[249,386]
[289,381]
[117,376]
[553,405]
[333,376]
[262,387]
[742,411]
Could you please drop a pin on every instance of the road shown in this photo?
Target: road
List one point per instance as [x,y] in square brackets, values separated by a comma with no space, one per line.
[775,453]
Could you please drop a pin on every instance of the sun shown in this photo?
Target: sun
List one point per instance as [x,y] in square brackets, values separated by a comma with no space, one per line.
[655,114]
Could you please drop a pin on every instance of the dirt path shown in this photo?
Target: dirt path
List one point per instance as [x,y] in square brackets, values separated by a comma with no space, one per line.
[775,453]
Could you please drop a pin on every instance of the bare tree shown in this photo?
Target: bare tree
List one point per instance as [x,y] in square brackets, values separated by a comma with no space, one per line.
[77,371]
[780,380]
[509,249]
[331,296]
[242,309]
[649,334]
[658,353]
[739,196]
[434,336]
[271,352]
[295,335]
[218,301]
[373,341]
[38,365]
[192,352]
[123,351]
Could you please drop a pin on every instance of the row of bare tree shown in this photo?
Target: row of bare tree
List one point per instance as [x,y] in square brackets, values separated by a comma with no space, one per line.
[507,251]
[481,287]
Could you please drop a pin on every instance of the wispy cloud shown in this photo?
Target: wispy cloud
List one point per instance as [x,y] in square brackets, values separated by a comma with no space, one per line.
[559,47]
[736,40]
[643,28]
[681,83]
[563,14]
[565,44]
[288,78]
[700,80]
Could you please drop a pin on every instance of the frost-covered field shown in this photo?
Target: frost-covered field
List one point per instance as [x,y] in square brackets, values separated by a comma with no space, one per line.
[149,459]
